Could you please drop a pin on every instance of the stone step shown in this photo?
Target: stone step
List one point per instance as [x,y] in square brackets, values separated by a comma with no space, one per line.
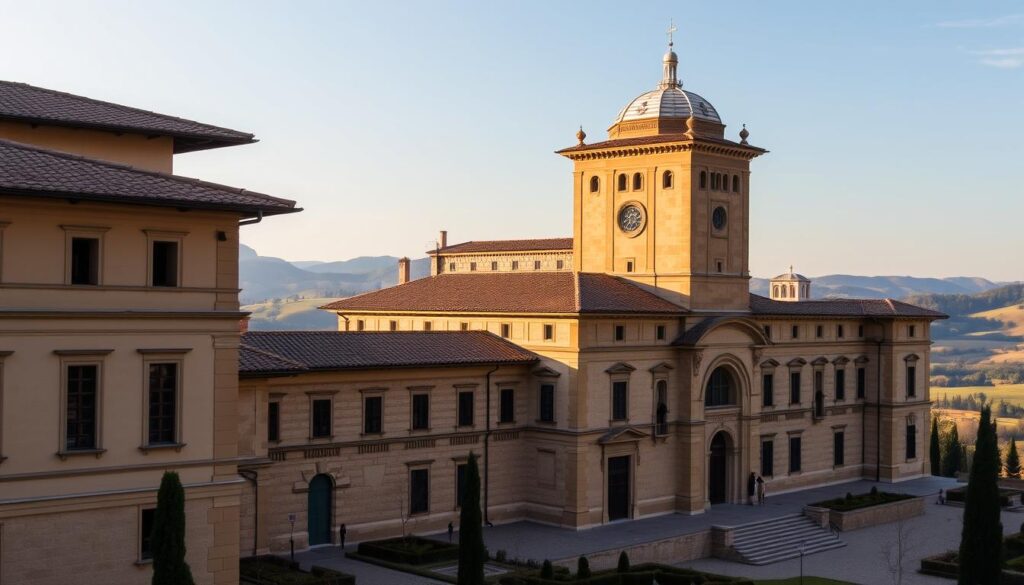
[793,553]
[789,532]
[771,521]
[787,544]
[781,538]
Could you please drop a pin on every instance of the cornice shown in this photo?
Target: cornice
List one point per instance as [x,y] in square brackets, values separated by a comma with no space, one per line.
[745,153]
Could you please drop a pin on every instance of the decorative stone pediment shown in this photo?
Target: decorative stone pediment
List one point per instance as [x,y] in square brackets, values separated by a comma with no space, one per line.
[769,363]
[861,360]
[662,368]
[912,358]
[620,368]
[797,363]
[328,468]
[820,361]
[622,435]
[841,360]
[545,372]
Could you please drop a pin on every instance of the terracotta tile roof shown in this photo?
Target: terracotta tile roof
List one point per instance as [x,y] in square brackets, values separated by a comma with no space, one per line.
[841,308]
[542,244]
[36,172]
[512,292]
[656,139]
[27,103]
[279,352]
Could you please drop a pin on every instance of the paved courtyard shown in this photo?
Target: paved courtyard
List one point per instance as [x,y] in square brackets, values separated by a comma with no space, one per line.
[861,561]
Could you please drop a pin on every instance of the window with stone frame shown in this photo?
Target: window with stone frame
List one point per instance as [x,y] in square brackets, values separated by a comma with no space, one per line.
[840,383]
[546,410]
[838,448]
[146,523]
[162,403]
[795,453]
[862,382]
[661,407]
[794,387]
[320,419]
[620,400]
[465,408]
[81,408]
[461,469]
[373,415]
[767,457]
[419,491]
[911,440]
[274,421]
[507,406]
[420,411]
[720,389]
[768,388]
[911,382]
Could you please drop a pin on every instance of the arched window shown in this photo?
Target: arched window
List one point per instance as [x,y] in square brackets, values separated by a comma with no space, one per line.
[703,180]
[666,180]
[595,184]
[720,390]
[622,182]
[638,181]
[735,183]
[725,182]
[792,290]
[775,291]
[661,410]
[784,291]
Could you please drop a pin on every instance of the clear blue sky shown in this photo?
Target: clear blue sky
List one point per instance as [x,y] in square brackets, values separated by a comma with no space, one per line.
[895,128]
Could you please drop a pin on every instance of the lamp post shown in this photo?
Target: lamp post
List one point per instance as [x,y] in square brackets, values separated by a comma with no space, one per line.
[803,546]
[291,536]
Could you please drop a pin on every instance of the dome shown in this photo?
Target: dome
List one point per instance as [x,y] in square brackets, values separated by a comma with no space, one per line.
[668,102]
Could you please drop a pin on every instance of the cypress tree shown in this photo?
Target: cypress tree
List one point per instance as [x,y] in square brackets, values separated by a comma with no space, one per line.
[934,452]
[169,566]
[623,562]
[981,542]
[583,568]
[951,461]
[472,552]
[1013,460]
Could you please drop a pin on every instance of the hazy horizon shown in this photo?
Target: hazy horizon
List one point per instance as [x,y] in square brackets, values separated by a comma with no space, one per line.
[893,130]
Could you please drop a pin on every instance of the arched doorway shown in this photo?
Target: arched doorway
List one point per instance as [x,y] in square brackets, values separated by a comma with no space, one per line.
[718,468]
[319,510]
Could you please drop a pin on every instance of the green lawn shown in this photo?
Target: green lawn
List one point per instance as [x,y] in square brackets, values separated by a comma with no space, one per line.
[807,581]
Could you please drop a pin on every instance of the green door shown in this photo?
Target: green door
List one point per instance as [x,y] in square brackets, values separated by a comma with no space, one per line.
[319,510]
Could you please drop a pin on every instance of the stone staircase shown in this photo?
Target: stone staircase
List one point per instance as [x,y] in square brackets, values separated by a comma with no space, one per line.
[778,539]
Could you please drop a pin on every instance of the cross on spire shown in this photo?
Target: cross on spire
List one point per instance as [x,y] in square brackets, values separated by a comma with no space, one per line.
[671,29]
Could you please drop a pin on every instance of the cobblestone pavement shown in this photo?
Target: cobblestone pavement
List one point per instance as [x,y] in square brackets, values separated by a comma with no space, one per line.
[863,559]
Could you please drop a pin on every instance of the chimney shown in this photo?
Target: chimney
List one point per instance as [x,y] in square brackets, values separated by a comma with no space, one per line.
[443,240]
[243,325]
[403,269]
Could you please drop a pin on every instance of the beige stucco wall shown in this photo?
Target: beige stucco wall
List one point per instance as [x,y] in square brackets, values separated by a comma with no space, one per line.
[524,262]
[137,150]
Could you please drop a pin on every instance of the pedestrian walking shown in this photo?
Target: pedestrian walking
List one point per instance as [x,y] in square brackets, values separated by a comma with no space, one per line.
[451,531]
[760,490]
[342,531]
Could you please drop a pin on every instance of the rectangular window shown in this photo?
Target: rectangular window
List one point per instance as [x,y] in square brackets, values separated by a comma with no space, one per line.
[321,418]
[912,331]
[515,265]
[536,264]
[839,331]
[862,383]
[794,387]
[419,491]
[472,266]
[146,534]
[911,442]
[768,331]
[620,400]
[840,383]
[767,458]
[911,381]
[719,266]
[819,381]
[838,448]
[274,421]
[494,266]
[163,403]
[85,261]
[560,264]
[620,332]
[794,454]
[82,388]
[360,325]
[768,389]
[507,410]
[428,325]
[466,409]
[464,326]
[451,267]
[795,332]
[460,482]
[659,332]
[165,263]
[629,266]
[819,331]
[420,412]
[506,330]
[547,403]
[373,410]
[549,332]
[860,331]
[393,325]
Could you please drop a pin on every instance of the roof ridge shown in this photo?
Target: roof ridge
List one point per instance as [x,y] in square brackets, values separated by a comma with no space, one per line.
[141,171]
[250,135]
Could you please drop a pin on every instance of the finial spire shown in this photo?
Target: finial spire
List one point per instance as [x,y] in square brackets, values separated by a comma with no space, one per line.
[670,61]
[581,135]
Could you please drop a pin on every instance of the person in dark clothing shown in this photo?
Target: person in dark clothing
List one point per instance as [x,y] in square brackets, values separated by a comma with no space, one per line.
[760,490]
[342,531]
[751,485]
[451,531]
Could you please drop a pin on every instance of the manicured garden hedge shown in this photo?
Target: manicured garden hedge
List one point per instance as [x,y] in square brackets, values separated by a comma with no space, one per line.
[856,502]
[960,494]
[642,574]
[410,550]
[945,564]
[271,570]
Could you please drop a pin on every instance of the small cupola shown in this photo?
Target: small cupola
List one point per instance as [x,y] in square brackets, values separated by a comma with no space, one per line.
[790,286]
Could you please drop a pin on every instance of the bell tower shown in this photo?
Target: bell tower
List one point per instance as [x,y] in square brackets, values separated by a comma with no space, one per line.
[664,201]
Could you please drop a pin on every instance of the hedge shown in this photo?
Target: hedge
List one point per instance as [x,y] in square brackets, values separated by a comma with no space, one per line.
[856,502]
[642,574]
[960,495]
[410,550]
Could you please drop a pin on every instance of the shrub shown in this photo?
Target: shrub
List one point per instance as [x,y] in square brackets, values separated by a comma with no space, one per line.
[546,570]
[583,568]
[501,555]
[623,562]
[874,490]
[849,496]
[409,550]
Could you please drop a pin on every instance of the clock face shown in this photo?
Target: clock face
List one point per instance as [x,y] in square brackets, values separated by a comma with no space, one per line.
[631,218]
[718,218]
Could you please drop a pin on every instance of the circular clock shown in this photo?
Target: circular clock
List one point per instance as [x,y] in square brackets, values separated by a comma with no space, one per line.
[718,218]
[631,218]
